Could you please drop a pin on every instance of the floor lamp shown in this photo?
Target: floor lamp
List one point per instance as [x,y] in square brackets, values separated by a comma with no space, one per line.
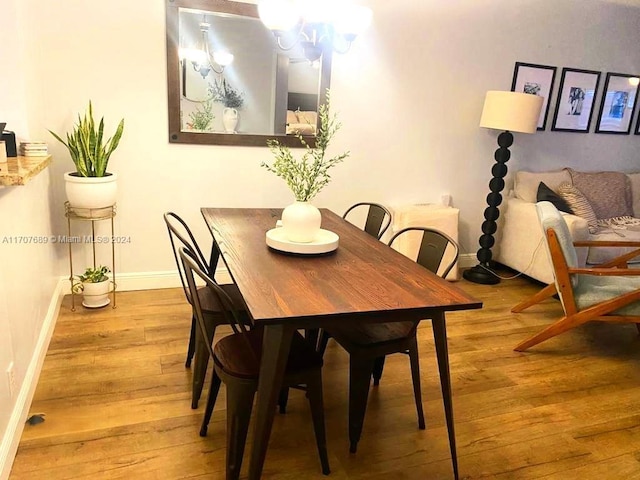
[510,112]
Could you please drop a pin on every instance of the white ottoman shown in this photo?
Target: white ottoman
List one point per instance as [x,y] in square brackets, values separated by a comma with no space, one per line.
[438,217]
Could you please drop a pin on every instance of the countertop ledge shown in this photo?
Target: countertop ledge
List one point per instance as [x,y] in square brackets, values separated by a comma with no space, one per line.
[19,170]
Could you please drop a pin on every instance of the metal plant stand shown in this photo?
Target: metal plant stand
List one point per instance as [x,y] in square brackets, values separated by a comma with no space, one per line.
[91,215]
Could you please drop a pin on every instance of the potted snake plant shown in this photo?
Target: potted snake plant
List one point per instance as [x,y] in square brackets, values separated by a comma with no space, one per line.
[90,186]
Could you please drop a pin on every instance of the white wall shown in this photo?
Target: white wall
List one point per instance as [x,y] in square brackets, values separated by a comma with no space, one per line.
[409,94]
[28,272]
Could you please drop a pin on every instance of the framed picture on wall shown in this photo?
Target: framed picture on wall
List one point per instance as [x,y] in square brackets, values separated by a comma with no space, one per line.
[574,108]
[638,123]
[536,80]
[618,103]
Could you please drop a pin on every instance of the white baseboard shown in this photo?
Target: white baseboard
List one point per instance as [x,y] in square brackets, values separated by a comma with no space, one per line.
[12,434]
[128,282]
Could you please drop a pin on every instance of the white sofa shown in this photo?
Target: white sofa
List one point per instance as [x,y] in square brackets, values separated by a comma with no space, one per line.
[519,239]
[301,122]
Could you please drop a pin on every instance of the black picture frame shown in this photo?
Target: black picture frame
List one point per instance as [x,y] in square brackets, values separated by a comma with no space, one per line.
[576,98]
[637,132]
[618,103]
[536,80]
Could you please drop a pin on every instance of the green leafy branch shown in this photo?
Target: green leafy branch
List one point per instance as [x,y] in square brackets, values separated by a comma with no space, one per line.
[202,117]
[307,176]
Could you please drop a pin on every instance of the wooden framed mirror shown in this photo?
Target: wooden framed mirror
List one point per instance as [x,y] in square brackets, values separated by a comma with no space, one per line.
[275,93]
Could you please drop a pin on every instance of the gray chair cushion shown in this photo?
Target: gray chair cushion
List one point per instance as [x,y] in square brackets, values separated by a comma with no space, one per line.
[597,289]
[550,217]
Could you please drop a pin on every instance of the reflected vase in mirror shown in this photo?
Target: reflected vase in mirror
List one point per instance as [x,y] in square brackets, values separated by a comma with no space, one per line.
[230,119]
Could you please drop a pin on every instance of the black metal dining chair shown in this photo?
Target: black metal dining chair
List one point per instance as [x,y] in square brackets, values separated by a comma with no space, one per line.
[236,362]
[368,344]
[377,221]
[378,218]
[180,235]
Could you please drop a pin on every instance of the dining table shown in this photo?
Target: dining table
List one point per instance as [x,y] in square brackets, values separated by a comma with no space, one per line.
[362,281]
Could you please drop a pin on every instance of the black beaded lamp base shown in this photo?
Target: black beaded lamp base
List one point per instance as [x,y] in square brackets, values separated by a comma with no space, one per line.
[480,274]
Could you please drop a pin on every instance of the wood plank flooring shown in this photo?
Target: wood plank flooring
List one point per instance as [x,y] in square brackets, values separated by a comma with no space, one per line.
[116,399]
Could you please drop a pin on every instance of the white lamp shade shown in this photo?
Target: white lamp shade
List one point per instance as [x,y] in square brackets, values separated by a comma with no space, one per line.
[279,15]
[353,20]
[193,54]
[223,58]
[512,111]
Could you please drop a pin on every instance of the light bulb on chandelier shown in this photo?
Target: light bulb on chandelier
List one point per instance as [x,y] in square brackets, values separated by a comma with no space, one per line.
[316,25]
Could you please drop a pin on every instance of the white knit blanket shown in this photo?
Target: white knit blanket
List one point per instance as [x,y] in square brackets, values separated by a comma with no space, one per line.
[617,225]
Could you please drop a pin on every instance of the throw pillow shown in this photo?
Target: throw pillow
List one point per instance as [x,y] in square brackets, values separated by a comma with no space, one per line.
[546,194]
[609,193]
[526,184]
[634,179]
[579,204]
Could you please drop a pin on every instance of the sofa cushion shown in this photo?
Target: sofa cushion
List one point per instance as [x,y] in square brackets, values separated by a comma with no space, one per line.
[545,194]
[291,117]
[579,204]
[525,186]
[634,179]
[609,193]
[309,117]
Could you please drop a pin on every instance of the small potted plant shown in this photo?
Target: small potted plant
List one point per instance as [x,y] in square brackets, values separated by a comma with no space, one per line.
[94,285]
[232,100]
[90,186]
[306,177]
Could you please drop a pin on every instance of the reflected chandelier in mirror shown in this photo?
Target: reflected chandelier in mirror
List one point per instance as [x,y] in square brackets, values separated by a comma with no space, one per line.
[229,83]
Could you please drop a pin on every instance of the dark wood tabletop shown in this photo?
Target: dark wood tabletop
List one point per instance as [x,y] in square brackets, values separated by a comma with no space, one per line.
[364,280]
[362,277]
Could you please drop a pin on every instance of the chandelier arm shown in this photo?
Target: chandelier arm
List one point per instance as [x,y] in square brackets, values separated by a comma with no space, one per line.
[211,61]
[282,47]
[345,50]
[211,64]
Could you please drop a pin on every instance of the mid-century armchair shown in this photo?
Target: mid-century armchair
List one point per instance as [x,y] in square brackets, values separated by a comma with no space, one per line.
[608,292]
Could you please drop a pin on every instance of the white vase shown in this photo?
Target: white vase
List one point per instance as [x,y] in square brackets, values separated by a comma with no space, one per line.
[301,222]
[91,192]
[230,120]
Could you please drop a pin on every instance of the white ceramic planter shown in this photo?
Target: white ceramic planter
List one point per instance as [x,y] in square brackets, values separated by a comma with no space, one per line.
[95,295]
[91,192]
[301,222]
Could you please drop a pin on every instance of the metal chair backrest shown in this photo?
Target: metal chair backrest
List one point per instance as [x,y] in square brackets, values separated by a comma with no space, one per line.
[433,247]
[180,236]
[378,218]
[226,307]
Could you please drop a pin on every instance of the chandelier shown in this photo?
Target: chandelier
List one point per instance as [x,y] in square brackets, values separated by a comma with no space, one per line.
[202,59]
[317,25]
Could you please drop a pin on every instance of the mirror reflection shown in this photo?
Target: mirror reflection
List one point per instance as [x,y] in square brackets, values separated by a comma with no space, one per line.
[233,80]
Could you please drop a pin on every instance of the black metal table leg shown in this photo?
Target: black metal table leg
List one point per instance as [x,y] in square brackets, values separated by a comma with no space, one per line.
[442,353]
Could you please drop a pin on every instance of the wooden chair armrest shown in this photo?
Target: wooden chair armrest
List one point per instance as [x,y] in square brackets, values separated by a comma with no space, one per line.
[605,243]
[610,272]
